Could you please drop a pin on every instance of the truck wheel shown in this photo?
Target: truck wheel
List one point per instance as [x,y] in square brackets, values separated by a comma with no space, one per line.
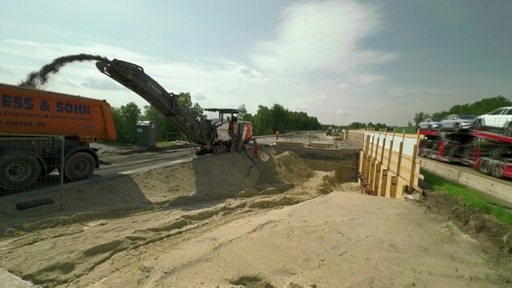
[449,150]
[18,171]
[79,166]
[497,170]
[484,166]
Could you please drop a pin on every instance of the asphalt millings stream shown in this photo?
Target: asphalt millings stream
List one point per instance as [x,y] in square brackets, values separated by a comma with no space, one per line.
[39,78]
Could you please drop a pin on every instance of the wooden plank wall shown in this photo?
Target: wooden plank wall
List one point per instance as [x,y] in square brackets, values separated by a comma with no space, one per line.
[386,171]
[354,135]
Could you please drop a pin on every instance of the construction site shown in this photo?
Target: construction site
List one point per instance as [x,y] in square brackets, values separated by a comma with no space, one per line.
[305,211]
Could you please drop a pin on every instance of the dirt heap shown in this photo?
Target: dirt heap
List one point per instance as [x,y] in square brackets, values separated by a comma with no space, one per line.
[127,212]
[231,220]
[290,168]
[222,176]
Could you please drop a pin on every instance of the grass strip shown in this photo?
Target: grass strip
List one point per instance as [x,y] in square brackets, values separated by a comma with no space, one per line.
[472,198]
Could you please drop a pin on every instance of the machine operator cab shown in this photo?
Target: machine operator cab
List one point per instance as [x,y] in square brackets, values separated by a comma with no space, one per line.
[232,132]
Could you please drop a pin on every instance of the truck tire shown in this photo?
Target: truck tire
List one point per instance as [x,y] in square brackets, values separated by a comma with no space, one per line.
[450,150]
[18,171]
[484,166]
[497,170]
[79,166]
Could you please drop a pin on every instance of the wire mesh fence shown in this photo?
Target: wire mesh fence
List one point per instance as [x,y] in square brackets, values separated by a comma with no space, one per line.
[30,162]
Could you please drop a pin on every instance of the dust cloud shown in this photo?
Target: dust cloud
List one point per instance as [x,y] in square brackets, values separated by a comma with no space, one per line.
[39,78]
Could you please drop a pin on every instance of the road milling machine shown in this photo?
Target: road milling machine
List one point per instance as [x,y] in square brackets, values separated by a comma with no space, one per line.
[225,133]
[31,119]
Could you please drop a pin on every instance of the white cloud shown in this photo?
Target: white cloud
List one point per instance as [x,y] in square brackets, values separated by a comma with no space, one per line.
[4,70]
[342,112]
[104,84]
[321,36]
[315,46]
[368,78]
[199,97]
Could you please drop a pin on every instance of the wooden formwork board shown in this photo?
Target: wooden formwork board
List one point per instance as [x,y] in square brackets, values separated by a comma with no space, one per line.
[378,181]
[355,135]
[322,145]
[397,135]
[386,172]
[289,143]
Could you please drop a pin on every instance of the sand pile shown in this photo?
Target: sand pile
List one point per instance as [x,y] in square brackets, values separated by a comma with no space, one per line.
[124,213]
[290,168]
[223,176]
[232,221]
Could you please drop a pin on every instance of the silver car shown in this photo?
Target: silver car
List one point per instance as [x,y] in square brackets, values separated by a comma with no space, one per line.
[457,122]
[429,124]
[498,119]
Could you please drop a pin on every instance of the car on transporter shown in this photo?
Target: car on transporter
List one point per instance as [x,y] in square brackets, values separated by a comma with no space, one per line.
[429,123]
[457,122]
[499,120]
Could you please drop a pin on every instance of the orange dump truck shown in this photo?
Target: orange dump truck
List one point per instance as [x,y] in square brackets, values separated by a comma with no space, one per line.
[28,119]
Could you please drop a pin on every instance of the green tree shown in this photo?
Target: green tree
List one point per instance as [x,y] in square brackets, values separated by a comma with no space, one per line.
[244,115]
[280,119]
[130,114]
[125,119]
[380,126]
[185,101]
[356,125]
[420,116]
[262,121]
[118,122]
[163,125]
[476,108]
[267,121]
[488,104]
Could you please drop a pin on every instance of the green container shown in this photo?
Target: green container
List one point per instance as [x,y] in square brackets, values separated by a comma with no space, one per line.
[146,134]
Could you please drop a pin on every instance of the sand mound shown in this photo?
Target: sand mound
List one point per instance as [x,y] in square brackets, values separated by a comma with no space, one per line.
[223,176]
[226,220]
[207,178]
[290,168]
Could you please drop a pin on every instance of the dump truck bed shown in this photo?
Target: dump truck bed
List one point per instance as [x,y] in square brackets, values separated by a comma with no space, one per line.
[33,111]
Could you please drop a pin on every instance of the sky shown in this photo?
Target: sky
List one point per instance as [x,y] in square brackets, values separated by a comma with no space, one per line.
[341,61]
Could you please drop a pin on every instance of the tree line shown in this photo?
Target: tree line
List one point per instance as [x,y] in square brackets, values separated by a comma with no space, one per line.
[266,120]
[476,108]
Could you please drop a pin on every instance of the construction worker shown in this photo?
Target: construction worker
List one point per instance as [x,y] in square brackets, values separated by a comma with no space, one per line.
[277,134]
[255,148]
